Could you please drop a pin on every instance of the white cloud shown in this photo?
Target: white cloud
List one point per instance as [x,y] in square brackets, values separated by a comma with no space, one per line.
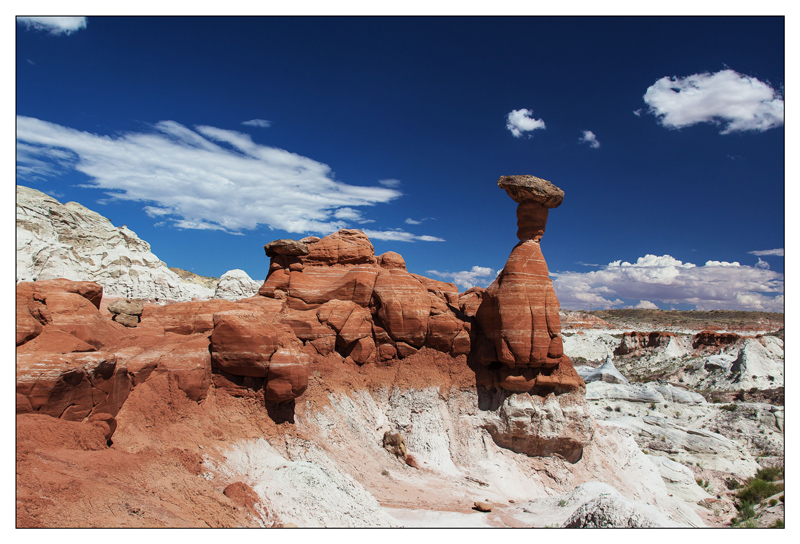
[638,113]
[520,121]
[410,221]
[761,253]
[260,123]
[737,102]
[54,25]
[206,178]
[391,183]
[589,138]
[478,275]
[399,235]
[715,285]
[762,264]
[646,305]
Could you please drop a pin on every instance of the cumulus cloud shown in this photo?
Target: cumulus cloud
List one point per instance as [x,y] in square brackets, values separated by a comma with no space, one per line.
[54,25]
[646,305]
[736,102]
[765,252]
[588,137]
[203,178]
[260,123]
[478,275]
[521,121]
[762,264]
[714,285]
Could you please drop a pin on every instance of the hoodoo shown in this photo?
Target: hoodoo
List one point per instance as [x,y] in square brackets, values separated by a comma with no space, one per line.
[518,347]
[518,315]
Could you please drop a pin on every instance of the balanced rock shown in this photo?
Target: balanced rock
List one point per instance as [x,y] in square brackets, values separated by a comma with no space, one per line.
[518,313]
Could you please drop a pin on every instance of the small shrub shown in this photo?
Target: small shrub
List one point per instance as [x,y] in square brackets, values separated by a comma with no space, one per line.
[652,405]
[617,409]
[732,483]
[609,409]
[770,474]
[677,414]
[384,472]
[729,407]
[781,498]
[562,503]
[773,502]
[746,511]
[757,490]
[778,524]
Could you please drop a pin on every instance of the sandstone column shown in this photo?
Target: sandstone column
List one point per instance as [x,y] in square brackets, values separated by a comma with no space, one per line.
[519,312]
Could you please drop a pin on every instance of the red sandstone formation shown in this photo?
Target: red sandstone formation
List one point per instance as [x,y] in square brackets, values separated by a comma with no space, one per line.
[518,312]
[714,339]
[635,342]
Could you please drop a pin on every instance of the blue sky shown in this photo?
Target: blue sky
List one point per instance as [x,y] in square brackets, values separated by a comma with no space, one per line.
[210,137]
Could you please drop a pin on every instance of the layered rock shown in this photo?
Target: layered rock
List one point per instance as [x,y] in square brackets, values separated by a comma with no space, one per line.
[542,409]
[341,297]
[519,312]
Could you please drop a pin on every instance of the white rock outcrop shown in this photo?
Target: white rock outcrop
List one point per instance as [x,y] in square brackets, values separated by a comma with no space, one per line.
[607,372]
[70,241]
[236,284]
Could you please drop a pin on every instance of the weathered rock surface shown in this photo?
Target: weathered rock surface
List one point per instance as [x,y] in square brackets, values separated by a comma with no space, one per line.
[235,285]
[518,314]
[607,372]
[70,241]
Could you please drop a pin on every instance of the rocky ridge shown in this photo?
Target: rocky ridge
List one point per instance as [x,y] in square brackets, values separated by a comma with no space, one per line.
[273,410]
[70,241]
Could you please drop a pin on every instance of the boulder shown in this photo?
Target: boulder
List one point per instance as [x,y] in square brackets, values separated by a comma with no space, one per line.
[127,311]
[531,189]
[287,247]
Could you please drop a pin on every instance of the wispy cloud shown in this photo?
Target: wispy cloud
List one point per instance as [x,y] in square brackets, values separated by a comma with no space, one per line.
[588,137]
[521,121]
[638,113]
[399,235]
[204,178]
[715,285]
[260,123]
[478,275]
[735,101]
[761,253]
[54,25]
[391,183]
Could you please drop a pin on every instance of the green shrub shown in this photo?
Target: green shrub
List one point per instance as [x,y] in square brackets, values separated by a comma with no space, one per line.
[781,498]
[732,483]
[746,511]
[729,407]
[773,502]
[757,490]
[770,474]
[777,525]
